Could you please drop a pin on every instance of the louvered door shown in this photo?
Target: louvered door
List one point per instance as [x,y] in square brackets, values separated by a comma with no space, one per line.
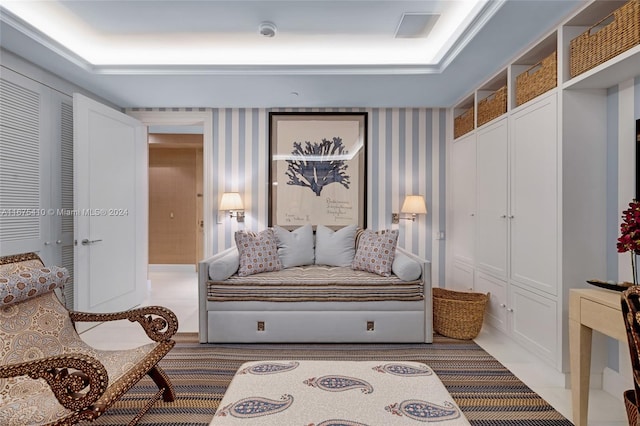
[24,167]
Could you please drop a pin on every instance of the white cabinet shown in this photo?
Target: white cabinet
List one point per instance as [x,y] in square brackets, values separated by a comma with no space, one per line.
[517,226]
[547,175]
[496,313]
[32,126]
[491,190]
[463,197]
[534,322]
[534,195]
[461,278]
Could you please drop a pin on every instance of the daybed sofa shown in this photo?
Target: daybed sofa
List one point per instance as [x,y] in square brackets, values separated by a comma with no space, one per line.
[315,289]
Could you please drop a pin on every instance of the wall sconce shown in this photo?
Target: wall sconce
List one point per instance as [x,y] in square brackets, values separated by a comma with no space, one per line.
[232,202]
[414,205]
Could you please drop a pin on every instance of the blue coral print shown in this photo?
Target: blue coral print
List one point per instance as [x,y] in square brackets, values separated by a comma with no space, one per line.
[319,165]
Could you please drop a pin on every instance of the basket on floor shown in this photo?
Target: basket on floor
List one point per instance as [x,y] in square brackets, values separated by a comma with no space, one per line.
[458,314]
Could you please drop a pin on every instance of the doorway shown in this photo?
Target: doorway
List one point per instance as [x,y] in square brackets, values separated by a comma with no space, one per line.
[175,198]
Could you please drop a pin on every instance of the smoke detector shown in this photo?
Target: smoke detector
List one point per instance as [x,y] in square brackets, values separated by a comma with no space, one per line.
[267,29]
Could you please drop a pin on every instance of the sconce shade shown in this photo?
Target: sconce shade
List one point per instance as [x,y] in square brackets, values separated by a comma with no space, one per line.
[231,201]
[414,204]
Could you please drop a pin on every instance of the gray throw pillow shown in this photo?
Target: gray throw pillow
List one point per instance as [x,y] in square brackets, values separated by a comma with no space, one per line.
[405,268]
[335,248]
[225,266]
[295,248]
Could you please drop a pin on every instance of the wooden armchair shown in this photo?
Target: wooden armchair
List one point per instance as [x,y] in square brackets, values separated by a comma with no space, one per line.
[48,374]
[631,313]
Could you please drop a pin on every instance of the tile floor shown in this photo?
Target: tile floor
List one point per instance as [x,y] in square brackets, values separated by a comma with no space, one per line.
[178,291]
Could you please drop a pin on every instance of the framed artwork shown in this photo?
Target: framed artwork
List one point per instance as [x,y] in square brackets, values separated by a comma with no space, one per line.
[318,169]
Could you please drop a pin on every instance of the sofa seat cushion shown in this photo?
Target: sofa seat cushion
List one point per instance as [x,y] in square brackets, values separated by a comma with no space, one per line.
[314,283]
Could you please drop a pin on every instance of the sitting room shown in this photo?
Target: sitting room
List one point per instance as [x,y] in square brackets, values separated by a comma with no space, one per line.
[346,212]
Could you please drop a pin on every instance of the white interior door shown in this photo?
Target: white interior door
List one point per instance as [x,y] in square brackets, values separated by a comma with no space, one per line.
[110,185]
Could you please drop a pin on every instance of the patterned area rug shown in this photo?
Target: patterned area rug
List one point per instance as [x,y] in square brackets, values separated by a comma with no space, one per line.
[485,390]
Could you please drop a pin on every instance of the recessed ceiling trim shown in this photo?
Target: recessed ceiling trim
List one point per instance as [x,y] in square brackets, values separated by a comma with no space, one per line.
[266,70]
[481,19]
[33,33]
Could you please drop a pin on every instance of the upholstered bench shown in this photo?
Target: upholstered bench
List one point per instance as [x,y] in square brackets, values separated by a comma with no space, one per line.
[325,393]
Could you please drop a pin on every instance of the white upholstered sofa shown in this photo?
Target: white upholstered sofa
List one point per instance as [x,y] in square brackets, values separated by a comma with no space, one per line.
[318,300]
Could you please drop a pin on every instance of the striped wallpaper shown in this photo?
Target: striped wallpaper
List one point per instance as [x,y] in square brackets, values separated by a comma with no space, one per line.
[405,152]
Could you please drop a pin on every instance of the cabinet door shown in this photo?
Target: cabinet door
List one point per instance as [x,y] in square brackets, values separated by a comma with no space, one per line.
[25,167]
[463,190]
[533,321]
[496,313]
[461,277]
[491,212]
[534,193]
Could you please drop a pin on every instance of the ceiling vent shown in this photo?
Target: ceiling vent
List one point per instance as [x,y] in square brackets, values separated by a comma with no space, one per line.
[416,25]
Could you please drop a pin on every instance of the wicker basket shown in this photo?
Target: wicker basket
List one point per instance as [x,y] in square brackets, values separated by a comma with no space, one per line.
[605,39]
[458,314]
[630,406]
[463,123]
[492,106]
[538,79]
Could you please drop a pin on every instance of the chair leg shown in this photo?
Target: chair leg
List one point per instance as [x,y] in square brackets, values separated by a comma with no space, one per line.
[162,381]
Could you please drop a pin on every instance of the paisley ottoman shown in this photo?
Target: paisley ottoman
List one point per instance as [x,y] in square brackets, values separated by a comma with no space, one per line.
[331,393]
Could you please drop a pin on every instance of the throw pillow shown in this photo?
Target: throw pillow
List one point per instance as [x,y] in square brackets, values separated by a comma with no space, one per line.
[295,248]
[224,266]
[376,251]
[258,252]
[335,248]
[405,268]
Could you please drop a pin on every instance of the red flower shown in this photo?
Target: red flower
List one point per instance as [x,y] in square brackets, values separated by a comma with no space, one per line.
[629,239]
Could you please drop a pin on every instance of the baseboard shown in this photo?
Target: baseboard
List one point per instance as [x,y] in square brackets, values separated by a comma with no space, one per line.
[615,383]
[172,268]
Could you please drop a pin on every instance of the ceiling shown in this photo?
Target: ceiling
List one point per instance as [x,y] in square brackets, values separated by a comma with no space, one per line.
[325,53]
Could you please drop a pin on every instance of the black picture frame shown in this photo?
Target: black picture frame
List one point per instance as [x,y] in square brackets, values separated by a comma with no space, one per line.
[318,169]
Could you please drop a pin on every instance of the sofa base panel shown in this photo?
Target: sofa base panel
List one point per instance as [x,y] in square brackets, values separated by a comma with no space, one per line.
[316,326]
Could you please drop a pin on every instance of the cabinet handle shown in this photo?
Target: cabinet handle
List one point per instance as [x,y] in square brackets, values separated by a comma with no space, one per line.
[58,241]
[472,214]
[46,243]
[509,309]
[502,305]
[504,216]
[511,216]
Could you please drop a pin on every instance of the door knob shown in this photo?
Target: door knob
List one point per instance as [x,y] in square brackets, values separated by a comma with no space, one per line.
[87,242]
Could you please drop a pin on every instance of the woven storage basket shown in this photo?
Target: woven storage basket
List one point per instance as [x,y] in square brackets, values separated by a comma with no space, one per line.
[630,406]
[538,79]
[458,314]
[463,123]
[492,106]
[605,39]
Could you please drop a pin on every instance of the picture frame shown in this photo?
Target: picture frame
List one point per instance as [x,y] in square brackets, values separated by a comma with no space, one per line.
[318,169]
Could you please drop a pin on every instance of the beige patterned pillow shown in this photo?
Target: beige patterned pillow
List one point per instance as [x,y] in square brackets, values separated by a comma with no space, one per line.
[30,282]
[376,251]
[258,252]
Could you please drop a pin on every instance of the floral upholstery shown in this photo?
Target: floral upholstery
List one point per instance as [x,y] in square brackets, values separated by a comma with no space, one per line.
[35,325]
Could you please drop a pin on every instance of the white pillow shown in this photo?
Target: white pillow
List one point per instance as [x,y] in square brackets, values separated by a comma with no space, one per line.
[295,248]
[405,268]
[335,248]
[225,266]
